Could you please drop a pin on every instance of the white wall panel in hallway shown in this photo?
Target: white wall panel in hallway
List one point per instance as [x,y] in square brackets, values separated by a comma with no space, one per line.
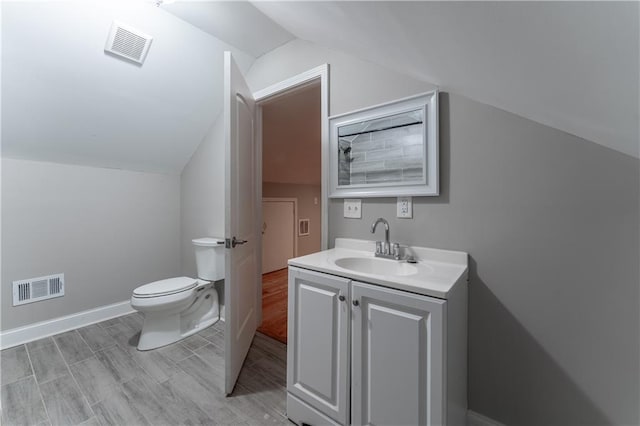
[278,235]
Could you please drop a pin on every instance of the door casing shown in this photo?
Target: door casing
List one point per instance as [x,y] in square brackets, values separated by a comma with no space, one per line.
[313,76]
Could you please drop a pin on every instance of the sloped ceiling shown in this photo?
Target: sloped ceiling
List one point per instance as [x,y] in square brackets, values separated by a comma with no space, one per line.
[65,100]
[569,65]
[238,23]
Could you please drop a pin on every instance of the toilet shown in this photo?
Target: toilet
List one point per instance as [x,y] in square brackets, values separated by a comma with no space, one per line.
[176,308]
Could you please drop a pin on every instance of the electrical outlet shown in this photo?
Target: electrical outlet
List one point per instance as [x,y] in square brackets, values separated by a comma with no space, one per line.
[405,208]
[353,208]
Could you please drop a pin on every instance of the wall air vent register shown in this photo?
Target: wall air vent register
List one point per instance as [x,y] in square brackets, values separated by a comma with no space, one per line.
[36,289]
[303,227]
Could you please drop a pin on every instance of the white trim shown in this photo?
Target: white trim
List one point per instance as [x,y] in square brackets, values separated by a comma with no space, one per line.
[38,330]
[295,217]
[384,104]
[428,186]
[476,419]
[276,90]
[259,221]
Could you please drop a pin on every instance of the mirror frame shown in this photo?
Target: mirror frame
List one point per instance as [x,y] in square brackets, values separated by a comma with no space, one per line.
[428,186]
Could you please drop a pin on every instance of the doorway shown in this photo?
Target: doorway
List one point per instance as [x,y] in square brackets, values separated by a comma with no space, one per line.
[279,244]
[292,208]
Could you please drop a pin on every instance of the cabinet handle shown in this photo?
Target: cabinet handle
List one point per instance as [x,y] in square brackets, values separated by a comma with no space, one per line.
[341,298]
[356,303]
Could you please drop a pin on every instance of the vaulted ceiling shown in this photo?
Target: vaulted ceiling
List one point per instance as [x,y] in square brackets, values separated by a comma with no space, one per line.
[238,23]
[65,100]
[571,65]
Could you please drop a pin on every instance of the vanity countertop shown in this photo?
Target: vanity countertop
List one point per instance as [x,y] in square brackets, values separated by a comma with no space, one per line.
[436,273]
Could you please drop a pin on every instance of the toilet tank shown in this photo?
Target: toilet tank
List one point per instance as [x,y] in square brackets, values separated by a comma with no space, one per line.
[209,258]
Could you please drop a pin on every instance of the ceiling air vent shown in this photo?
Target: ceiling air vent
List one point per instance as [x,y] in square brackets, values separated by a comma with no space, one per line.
[36,289]
[128,42]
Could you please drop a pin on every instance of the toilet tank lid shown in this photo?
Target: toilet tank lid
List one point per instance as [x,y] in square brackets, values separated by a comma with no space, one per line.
[165,287]
[208,242]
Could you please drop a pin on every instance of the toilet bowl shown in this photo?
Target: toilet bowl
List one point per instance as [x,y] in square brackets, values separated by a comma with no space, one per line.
[176,308]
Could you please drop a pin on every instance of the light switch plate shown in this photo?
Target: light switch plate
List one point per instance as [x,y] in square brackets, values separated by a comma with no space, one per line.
[405,208]
[353,208]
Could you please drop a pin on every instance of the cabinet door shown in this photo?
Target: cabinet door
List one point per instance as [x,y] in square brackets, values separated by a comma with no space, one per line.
[397,357]
[318,341]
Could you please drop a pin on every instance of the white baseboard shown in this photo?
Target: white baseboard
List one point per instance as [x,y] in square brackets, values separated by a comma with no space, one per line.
[38,330]
[476,419]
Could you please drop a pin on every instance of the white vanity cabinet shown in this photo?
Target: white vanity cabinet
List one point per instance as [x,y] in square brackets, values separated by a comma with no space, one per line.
[361,353]
[318,343]
[397,364]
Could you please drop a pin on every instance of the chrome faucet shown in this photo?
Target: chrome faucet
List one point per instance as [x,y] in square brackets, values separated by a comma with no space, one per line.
[384,249]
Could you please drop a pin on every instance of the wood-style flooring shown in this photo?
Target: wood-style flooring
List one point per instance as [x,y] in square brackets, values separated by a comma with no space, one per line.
[96,376]
[274,304]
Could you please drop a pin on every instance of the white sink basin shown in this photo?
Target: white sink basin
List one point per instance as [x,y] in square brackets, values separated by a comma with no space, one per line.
[436,273]
[377,266]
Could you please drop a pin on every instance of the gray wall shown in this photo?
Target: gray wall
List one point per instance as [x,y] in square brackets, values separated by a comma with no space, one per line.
[202,198]
[550,222]
[202,195]
[307,209]
[107,230]
[353,83]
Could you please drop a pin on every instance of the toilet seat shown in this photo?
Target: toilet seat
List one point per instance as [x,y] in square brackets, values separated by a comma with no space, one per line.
[165,287]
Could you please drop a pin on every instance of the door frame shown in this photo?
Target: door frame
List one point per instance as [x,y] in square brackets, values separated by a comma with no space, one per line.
[302,80]
[295,220]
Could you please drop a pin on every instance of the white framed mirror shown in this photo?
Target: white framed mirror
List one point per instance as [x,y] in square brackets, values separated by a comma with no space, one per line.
[386,150]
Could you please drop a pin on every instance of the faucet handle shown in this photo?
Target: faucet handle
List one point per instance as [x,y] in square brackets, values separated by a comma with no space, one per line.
[378,247]
[396,251]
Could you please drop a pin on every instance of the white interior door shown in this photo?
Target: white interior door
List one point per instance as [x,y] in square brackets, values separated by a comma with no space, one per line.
[242,287]
[278,234]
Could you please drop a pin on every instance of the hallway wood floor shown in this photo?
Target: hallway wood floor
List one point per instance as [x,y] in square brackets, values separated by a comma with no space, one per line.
[274,304]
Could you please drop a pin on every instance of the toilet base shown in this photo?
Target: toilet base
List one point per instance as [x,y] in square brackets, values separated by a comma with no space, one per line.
[161,329]
[158,332]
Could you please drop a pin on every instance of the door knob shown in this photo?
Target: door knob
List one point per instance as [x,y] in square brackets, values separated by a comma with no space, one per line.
[356,303]
[236,242]
[341,298]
